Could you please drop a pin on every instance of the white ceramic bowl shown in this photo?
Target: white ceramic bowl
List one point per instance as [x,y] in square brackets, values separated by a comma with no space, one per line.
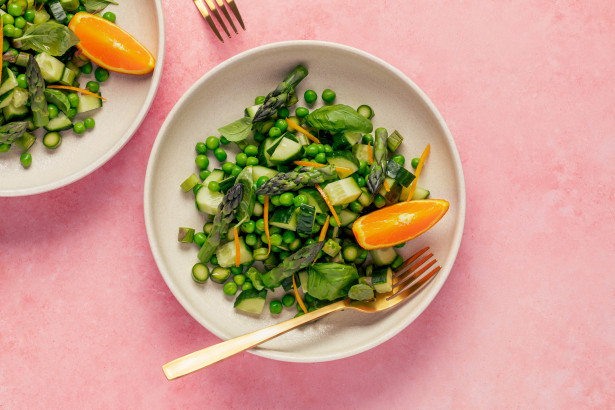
[219,98]
[128,100]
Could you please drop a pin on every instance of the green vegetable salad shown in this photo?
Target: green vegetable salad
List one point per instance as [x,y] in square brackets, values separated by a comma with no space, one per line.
[42,71]
[280,214]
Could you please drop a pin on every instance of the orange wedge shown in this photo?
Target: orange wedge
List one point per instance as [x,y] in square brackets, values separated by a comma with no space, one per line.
[396,224]
[110,46]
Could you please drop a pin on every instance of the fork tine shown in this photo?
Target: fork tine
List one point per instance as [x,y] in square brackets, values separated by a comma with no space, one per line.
[214,10]
[416,280]
[222,7]
[207,17]
[410,260]
[235,11]
[413,267]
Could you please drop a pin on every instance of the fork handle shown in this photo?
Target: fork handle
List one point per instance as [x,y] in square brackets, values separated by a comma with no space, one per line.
[218,352]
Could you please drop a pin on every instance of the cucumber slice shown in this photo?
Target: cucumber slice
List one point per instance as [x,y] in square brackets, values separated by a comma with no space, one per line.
[346,162]
[399,173]
[383,256]
[392,195]
[260,171]
[68,76]
[40,16]
[251,111]
[6,98]
[251,301]
[208,201]
[9,81]
[20,97]
[305,220]
[361,291]
[360,152]
[331,248]
[59,123]
[315,199]
[347,217]
[11,112]
[263,157]
[88,103]
[274,145]
[215,175]
[382,280]
[366,198]
[51,67]
[286,151]
[52,140]
[226,253]
[285,218]
[420,193]
[343,191]
[344,141]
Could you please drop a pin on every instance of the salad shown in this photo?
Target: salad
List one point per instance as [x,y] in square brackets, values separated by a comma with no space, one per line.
[44,61]
[316,203]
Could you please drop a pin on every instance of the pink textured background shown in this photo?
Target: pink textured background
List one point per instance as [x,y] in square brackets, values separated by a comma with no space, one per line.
[526,319]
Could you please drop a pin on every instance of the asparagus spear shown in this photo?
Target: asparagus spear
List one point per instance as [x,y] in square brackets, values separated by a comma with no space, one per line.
[12,131]
[297,179]
[221,222]
[36,88]
[279,97]
[375,179]
[294,263]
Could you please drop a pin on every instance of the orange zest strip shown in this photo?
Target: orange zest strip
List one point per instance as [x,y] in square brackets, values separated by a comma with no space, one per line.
[323,231]
[370,156]
[237,248]
[79,90]
[419,167]
[318,165]
[299,300]
[326,198]
[266,218]
[386,186]
[302,130]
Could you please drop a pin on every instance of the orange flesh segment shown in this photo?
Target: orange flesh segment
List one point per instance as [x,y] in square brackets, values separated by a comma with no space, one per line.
[419,167]
[237,248]
[326,198]
[299,300]
[302,130]
[266,219]
[110,46]
[398,223]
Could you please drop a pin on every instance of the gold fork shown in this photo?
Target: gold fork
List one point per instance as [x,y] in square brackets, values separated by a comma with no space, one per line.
[405,284]
[222,6]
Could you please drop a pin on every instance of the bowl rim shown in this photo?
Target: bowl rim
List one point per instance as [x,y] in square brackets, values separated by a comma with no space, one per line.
[128,134]
[438,282]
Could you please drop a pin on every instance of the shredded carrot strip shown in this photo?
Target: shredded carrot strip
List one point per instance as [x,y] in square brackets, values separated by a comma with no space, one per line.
[299,300]
[80,90]
[326,198]
[308,164]
[323,231]
[419,167]
[370,157]
[237,248]
[266,218]
[302,130]
[386,186]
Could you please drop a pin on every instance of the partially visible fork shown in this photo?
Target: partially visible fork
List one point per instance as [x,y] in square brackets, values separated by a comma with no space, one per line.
[222,6]
[405,284]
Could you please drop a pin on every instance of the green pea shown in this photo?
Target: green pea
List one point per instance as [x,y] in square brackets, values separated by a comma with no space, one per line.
[399,159]
[368,138]
[214,260]
[5,147]
[321,158]
[7,19]
[252,161]
[9,30]
[309,298]
[288,237]
[321,148]
[251,239]
[201,161]
[200,148]
[212,143]
[312,150]
[259,100]
[220,154]
[200,238]
[260,226]
[282,125]
[275,200]
[17,32]
[248,226]
[78,128]
[259,136]
[415,162]
[275,132]
[239,279]
[287,199]
[301,112]
[87,68]
[241,159]
[401,245]
[296,244]
[20,22]
[310,96]
[276,239]
[224,141]
[361,182]
[71,113]
[236,270]
[264,238]
[213,186]
[93,86]
[14,10]
[29,15]
[247,286]
[288,300]
[328,95]
[81,8]
[355,206]
[5,46]
[227,167]
[275,229]
[251,150]
[101,74]
[283,112]
[275,307]
[236,170]
[21,81]
[73,99]
[230,288]
[261,199]
[328,149]
[300,199]
[26,159]
[109,16]
[321,218]
[53,111]
[204,174]
[261,180]
[89,123]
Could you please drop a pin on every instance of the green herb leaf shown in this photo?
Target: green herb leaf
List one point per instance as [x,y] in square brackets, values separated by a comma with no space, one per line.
[58,98]
[330,281]
[237,130]
[339,118]
[97,5]
[50,37]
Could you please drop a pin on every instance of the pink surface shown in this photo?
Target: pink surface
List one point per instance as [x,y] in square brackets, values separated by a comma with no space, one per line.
[526,318]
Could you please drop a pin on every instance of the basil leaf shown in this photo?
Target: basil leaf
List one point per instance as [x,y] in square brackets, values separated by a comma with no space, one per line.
[97,5]
[50,37]
[330,281]
[237,130]
[58,98]
[339,118]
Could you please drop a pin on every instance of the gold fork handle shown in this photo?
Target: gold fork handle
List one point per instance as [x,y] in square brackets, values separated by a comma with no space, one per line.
[218,352]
